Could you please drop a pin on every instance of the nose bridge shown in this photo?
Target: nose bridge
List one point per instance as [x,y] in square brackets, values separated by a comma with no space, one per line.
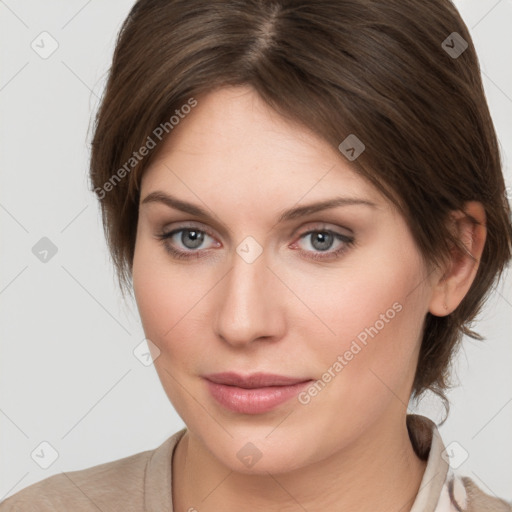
[248,308]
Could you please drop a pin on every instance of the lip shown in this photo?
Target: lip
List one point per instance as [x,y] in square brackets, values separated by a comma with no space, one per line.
[255,393]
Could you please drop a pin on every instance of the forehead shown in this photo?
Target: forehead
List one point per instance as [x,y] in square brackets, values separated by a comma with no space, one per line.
[233,142]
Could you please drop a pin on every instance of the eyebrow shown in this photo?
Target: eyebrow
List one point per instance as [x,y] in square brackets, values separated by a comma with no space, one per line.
[300,211]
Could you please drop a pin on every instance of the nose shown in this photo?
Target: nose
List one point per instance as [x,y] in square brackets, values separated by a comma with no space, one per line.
[249,304]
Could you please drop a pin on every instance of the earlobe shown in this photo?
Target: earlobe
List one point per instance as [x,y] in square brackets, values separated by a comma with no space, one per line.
[461,268]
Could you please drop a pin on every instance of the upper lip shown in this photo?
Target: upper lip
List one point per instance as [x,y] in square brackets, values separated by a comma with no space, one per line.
[254,380]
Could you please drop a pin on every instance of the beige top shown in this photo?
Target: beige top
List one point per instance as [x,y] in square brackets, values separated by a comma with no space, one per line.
[142,482]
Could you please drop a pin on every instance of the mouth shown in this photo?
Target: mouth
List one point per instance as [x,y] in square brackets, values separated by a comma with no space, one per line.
[253,394]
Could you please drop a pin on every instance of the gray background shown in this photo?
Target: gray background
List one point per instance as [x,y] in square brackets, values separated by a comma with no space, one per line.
[68,374]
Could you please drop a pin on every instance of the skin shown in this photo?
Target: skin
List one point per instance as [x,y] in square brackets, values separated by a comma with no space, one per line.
[285,313]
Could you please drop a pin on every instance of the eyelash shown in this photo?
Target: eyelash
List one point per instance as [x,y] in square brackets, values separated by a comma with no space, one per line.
[348,241]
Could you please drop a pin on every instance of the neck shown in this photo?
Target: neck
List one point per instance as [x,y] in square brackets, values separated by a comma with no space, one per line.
[379,471]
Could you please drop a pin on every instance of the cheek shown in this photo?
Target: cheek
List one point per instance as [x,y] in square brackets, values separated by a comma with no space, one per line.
[165,298]
[374,317]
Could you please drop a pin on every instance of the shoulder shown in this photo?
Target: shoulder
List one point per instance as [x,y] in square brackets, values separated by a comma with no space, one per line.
[479,501]
[119,482]
[461,493]
[441,486]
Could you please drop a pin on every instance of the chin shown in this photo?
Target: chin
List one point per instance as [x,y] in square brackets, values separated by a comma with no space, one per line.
[259,449]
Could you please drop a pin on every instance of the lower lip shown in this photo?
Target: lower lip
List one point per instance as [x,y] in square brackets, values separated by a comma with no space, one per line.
[256,400]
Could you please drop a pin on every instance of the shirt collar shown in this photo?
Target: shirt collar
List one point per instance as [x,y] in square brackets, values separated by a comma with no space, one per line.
[158,475]
[428,445]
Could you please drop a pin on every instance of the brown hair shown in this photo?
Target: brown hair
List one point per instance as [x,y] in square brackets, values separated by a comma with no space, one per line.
[385,70]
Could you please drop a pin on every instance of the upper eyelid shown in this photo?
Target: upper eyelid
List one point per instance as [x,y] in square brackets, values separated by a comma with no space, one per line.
[281,226]
[182,225]
[314,226]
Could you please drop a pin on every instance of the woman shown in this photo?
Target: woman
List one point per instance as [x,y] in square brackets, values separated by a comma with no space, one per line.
[307,199]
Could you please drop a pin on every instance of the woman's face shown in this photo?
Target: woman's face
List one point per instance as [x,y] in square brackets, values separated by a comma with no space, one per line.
[262,282]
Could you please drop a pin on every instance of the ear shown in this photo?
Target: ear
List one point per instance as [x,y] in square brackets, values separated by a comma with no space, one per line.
[460,270]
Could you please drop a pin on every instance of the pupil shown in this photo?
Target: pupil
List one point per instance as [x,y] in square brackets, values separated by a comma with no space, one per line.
[325,240]
[192,239]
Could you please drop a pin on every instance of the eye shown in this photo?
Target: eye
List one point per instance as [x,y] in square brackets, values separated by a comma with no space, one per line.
[187,242]
[182,243]
[322,240]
